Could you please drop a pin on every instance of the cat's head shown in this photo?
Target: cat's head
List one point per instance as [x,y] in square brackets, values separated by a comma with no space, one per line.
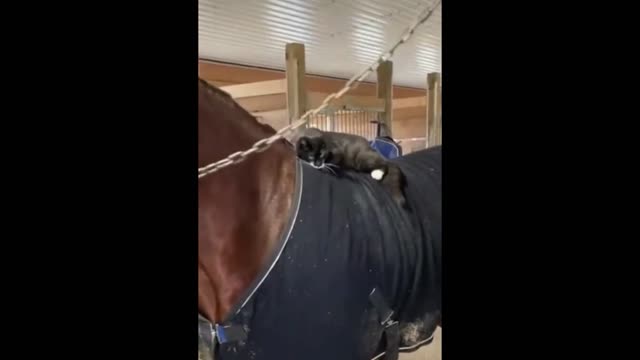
[313,150]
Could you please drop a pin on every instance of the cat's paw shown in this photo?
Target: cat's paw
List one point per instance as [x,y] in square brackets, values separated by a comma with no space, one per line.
[377,174]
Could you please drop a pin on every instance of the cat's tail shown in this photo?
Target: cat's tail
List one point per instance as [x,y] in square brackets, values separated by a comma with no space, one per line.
[395,181]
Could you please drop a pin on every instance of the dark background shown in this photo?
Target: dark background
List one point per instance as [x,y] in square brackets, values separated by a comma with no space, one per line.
[100,180]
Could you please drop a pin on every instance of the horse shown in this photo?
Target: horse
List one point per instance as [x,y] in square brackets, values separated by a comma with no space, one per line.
[297,263]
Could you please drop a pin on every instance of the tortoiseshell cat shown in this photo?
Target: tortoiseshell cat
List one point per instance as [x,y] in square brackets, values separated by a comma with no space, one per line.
[324,149]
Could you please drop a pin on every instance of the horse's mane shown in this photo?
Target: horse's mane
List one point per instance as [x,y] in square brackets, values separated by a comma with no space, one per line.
[214,89]
[228,99]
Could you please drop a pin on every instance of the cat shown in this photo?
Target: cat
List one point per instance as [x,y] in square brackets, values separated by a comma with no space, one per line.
[325,149]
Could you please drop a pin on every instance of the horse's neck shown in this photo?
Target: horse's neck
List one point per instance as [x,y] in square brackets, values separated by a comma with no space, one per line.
[242,212]
[239,225]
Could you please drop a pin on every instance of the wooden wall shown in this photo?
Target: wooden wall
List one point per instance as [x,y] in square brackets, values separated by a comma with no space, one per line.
[225,74]
[408,122]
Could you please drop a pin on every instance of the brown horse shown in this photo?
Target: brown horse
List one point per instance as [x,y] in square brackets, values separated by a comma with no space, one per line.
[246,214]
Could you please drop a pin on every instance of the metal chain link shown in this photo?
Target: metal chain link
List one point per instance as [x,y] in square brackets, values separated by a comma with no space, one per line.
[264,144]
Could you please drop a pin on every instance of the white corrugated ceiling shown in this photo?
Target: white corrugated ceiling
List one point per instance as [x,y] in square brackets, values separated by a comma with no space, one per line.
[341,37]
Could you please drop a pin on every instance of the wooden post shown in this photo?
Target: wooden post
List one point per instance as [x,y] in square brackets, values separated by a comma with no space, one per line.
[385,92]
[434,110]
[296,89]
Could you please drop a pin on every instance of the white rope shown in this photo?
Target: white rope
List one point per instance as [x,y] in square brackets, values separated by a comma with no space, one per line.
[263,144]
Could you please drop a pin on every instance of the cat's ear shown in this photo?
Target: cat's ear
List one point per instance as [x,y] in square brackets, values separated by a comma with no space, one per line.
[304,144]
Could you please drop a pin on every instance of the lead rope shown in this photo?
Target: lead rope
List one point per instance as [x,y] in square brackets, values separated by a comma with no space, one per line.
[263,144]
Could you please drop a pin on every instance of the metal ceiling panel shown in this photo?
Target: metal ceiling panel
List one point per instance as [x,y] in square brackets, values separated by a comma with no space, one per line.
[341,37]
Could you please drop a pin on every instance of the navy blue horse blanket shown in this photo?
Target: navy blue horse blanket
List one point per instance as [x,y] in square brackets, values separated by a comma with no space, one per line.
[346,237]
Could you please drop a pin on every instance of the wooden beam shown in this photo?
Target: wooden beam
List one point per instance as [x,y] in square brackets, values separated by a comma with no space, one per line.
[434,110]
[411,139]
[385,92]
[226,74]
[417,101]
[409,127]
[295,73]
[400,115]
[260,88]
[275,118]
[220,84]
[346,102]
[236,74]
[264,103]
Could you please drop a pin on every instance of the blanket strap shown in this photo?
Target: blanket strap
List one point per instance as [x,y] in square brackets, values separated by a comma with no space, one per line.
[391,330]
[230,333]
[212,334]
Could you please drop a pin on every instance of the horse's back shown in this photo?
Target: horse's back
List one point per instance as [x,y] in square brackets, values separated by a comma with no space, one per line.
[423,172]
[348,238]
[428,160]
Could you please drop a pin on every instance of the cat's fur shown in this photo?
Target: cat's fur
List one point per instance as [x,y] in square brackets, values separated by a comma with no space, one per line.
[323,149]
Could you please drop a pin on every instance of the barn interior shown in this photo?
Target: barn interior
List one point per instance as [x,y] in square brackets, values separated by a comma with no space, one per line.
[280,58]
